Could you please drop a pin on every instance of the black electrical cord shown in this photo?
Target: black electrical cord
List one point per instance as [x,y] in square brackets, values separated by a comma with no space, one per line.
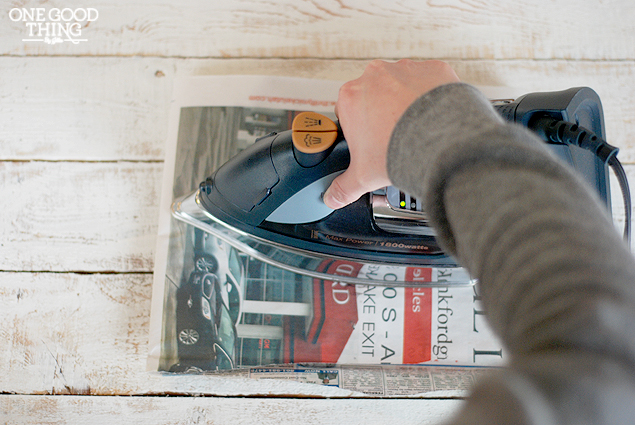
[558,131]
[615,164]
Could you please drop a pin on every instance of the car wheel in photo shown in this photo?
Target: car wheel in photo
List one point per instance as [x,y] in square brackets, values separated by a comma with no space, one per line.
[189,336]
[206,263]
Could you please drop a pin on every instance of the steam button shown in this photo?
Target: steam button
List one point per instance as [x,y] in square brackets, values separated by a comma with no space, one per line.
[309,142]
[312,121]
[313,135]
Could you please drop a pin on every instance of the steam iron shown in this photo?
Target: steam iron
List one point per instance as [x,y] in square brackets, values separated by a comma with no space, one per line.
[267,200]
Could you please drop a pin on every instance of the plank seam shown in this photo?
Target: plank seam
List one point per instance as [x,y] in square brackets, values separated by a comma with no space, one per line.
[250,396]
[333,58]
[87,161]
[80,272]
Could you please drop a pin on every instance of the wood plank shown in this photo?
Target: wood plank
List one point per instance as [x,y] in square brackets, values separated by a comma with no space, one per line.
[110,109]
[83,109]
[16,409]
[79,216]
[489,29]
[73,334]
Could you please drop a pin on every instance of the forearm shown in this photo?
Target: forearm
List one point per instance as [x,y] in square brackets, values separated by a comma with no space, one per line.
[525,226]
[556,279]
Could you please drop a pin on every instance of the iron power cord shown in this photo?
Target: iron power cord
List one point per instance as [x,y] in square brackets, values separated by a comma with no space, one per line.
[563,132]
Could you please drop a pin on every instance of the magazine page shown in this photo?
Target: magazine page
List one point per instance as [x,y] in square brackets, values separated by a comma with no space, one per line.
[216,308]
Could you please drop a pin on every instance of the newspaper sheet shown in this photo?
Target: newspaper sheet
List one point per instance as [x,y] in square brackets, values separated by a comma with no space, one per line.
[215,308]
[382,381]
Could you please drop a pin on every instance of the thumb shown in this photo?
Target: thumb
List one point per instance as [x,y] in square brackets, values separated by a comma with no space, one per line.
[344,190]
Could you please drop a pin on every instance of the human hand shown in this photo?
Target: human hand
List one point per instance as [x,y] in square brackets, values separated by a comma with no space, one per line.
[368,109]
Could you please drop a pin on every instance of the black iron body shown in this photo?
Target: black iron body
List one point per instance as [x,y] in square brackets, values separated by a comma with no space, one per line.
[245,191]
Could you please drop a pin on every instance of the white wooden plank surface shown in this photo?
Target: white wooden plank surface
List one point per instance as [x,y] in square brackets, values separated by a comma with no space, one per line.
[82,130]
[79,216]
[101,217]
[105,109]
[82,109]
[456,29]
[18,410]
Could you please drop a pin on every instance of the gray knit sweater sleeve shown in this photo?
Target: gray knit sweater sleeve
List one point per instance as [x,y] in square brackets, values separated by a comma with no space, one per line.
[557,281]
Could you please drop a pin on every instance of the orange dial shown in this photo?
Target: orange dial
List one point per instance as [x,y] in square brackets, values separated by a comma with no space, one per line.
[313,132]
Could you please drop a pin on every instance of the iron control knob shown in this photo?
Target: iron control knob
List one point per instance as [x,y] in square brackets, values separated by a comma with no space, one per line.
[313,136]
